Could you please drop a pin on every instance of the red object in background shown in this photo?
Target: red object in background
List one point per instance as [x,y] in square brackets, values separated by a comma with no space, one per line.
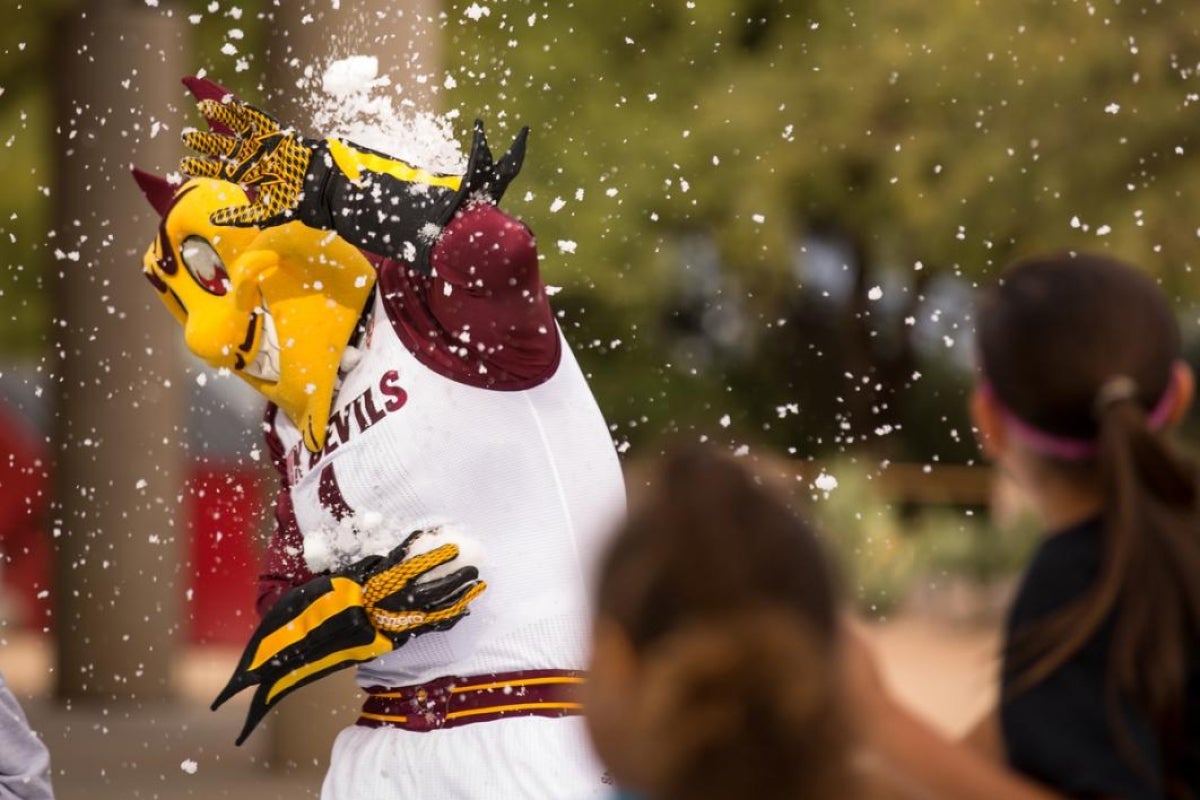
[24,500]
[224,508]
[225,505]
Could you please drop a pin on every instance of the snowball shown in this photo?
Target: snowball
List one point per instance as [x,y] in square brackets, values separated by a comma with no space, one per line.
[370,533]
[350,75]
[352,101]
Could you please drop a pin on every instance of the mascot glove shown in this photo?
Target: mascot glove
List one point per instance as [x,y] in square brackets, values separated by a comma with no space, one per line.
[260,153]
[373,200]
[358,614]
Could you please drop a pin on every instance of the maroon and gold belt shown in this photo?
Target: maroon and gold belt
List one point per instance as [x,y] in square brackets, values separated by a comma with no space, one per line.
[453,701]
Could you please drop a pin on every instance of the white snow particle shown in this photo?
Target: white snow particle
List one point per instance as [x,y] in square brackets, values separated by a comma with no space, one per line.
[759,218]
[825,482]
[567,245]
[874,293]
[189,766]
[724,421]
[477,12]
[557,205]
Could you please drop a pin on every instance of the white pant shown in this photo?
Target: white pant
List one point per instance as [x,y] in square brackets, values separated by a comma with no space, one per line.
[520,758]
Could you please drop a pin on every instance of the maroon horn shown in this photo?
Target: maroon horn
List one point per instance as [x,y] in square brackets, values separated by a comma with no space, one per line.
[158,191]
[204,89]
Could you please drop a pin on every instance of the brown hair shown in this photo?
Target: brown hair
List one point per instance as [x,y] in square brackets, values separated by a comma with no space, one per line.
[729,605]
[1055,336]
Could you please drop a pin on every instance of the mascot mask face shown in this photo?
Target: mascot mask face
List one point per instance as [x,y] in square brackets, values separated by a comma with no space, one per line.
[276,306]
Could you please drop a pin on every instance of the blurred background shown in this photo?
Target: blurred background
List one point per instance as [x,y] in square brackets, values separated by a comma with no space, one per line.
[767,219]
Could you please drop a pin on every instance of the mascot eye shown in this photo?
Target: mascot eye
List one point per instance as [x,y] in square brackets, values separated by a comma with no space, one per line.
[204,265]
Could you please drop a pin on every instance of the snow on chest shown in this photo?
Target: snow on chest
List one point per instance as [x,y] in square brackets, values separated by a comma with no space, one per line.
[353,538]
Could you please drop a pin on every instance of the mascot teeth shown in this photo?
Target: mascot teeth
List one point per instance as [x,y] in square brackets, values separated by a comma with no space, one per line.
[266,365]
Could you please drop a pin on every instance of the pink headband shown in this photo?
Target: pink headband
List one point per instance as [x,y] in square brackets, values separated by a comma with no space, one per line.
[1068,448]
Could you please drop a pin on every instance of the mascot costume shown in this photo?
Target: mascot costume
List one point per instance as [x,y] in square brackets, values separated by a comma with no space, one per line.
[432,431]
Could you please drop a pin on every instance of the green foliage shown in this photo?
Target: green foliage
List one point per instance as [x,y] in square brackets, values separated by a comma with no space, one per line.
[878,559]
[954,135]
[885,551]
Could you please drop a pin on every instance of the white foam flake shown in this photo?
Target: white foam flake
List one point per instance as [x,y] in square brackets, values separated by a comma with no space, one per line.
[189,766]
[476,12]
[567,245]
[825,482]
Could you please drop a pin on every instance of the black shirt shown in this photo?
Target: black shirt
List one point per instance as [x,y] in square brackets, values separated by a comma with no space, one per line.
[1058,732]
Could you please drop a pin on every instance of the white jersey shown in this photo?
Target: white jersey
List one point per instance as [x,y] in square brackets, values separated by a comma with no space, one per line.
[530,474]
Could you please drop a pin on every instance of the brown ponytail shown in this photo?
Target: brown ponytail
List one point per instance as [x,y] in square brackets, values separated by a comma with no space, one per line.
[744,707]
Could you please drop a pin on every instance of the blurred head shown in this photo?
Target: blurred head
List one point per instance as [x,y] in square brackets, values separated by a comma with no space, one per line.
[275,306]
[1081,373]
[715,643]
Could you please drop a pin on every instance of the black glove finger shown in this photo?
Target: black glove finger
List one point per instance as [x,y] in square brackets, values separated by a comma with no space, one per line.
[436,592]
[432,594]
[400,552]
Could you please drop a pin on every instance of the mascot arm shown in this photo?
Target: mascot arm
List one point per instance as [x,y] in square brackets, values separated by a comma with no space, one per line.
[487,284]
[389,207]
[283,566]
[363,611]
[283,561]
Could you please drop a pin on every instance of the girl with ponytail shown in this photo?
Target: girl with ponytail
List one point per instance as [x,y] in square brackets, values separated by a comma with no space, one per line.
[1081,377]
[715,647]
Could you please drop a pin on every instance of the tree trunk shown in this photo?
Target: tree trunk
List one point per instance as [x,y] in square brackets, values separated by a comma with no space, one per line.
[117,442]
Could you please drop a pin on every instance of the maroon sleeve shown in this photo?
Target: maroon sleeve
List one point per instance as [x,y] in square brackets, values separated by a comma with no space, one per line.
[487,291]
[283,562]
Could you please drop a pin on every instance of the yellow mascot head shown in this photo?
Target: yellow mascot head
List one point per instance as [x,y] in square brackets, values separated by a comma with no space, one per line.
[276,306]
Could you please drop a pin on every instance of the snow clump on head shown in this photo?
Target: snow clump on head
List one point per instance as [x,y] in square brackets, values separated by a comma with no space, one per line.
[349,99]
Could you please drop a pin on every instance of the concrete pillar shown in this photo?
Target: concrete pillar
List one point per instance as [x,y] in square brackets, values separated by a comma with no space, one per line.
[118,447]
[405,35]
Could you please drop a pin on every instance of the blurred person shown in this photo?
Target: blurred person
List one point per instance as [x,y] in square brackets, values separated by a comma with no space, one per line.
[24,760]
[714,671]
[1080,377]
